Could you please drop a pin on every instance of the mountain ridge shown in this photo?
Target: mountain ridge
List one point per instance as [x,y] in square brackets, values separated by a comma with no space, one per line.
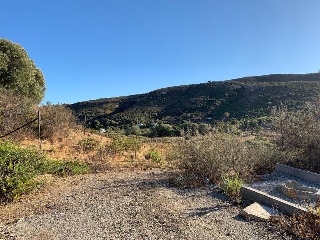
[252,96]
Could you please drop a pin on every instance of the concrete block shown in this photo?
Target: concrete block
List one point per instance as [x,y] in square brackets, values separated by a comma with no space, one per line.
[306,175]
[258,212]
[270,201]
[303,174]
[284,169]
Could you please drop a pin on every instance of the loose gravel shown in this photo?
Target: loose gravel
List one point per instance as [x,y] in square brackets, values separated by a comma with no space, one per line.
[127,205]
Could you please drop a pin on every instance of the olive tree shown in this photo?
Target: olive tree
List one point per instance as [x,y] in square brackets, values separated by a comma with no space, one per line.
[19,73]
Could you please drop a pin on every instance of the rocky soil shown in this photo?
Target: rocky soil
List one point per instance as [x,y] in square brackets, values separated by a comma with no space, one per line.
[126,205]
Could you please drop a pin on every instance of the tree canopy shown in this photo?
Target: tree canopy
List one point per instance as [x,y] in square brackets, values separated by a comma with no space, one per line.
[19,73]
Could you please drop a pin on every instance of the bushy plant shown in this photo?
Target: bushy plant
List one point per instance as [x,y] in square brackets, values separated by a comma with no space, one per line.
[18,167]
[120,144]
[305,225]
[88,144]
[65,168]
[154,156]
[231,186]
[15,111]
[19,73]
[162,130]
[299,135]
[56,120]
[211,156]
[133,130]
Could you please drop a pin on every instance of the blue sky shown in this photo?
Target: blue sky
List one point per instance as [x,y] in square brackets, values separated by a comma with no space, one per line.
[107,48]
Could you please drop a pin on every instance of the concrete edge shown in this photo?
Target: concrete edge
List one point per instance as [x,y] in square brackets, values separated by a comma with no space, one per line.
[270,201]
[303,174]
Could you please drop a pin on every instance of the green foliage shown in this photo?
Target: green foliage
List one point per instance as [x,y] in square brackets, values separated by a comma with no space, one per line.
[95,124]
[133,130]
[154,156]
[227,127]
[191,129]
[120,144]
[245,99]
[162,130]
[65,168]
[89,144]
[18,167]
[204,128]
[19,73]
[231,186]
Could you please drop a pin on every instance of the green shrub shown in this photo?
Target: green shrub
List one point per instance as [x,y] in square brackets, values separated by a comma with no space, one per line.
[18,168]
[154,156]
[120,144]
[231,186]
[162,130]
[65,168]
[88,144]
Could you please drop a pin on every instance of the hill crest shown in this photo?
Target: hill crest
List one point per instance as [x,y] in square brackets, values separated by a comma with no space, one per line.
[243,97]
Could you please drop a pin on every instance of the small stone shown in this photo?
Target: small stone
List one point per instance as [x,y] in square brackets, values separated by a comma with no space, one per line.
[258,212]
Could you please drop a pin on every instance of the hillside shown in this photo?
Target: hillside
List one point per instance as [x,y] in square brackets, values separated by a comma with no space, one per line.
[205,102]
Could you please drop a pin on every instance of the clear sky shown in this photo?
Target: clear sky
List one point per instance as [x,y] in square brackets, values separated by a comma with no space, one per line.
[90,49]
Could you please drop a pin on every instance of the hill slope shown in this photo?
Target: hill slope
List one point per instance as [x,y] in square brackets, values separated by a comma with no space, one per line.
[243,97]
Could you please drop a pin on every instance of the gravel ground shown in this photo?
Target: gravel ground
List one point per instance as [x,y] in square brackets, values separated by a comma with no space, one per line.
[126,205]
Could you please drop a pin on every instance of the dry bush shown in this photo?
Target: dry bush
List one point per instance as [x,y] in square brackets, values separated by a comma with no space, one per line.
[302,226]
[206,159]
[15,111]
[299,135]
[56,121]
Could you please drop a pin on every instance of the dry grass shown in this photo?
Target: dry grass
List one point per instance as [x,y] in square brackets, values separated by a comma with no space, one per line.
[99,152]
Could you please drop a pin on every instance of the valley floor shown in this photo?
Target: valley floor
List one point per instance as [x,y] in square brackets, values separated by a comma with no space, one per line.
[126,205]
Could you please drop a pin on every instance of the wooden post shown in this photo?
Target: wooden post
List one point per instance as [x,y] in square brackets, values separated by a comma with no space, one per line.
[39,129]
[135,148]
[84,125]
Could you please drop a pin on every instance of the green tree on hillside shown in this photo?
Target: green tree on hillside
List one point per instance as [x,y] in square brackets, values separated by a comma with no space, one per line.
[162,130]
[19,73]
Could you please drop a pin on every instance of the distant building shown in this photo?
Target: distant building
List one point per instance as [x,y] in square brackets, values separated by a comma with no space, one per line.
[102,130]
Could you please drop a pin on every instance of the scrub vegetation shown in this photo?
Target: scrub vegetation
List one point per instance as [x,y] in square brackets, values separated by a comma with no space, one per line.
[223,133]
